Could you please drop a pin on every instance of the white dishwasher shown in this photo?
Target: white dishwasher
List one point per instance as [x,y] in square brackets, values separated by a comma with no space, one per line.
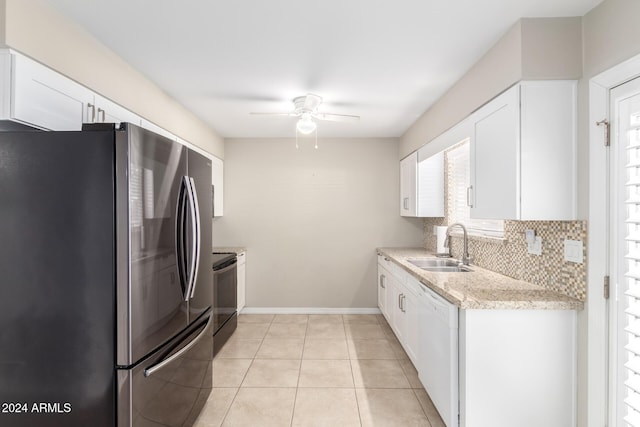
[438,353]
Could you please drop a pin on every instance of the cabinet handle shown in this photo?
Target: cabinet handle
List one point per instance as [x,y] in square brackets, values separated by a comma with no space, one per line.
[469,191]
[399,301]
[405,203]
[402,303]
[382,280]
[93,112]
[104,116]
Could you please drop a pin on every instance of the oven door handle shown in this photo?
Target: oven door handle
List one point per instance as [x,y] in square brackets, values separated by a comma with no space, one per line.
[150,371]
[227,268]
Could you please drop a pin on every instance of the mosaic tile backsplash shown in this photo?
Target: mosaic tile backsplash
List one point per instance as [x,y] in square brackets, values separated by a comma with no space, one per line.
[509,256]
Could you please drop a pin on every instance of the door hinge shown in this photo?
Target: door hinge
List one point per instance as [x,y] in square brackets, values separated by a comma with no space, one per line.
[607,131]
[606,287]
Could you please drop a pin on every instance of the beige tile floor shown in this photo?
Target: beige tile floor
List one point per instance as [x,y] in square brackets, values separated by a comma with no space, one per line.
[315,370]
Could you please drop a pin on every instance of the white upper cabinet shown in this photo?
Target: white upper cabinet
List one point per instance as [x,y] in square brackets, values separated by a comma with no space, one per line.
[217,169]
[422,185]
[37,96]
[431,185]
[107,111]
[408,185]
[523,154]
[34,95]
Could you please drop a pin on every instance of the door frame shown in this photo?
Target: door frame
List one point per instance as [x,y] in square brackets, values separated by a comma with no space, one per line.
[596,306]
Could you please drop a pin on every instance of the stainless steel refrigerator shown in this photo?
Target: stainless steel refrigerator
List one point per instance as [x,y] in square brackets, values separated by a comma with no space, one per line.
[105,279]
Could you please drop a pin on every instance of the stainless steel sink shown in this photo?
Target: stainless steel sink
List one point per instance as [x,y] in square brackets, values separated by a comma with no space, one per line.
[440,265]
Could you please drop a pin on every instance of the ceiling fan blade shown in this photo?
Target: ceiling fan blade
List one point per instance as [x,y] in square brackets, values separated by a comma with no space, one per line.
[337,117]
[274,114]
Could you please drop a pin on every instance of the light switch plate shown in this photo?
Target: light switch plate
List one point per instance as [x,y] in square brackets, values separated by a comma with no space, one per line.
[573,251]
[535,248]
[529,236]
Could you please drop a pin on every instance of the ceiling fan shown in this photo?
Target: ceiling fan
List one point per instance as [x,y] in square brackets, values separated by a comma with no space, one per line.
[306,108]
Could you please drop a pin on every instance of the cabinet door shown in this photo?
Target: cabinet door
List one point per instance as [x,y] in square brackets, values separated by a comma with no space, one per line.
[408,186]
[217,180]
[412,326]
[548,150]
[399,319]
[45,99]
[431,186]
[241,280]
[495,180]
[383,278]
[107,111]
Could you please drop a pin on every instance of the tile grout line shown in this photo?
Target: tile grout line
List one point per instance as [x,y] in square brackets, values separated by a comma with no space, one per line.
[295,397]
[353,378]
[244,376]
[422,407]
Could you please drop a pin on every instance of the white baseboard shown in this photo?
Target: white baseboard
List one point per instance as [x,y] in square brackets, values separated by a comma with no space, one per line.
[308,310]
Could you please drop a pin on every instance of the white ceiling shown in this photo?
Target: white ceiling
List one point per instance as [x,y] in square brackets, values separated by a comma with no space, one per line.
[384,60]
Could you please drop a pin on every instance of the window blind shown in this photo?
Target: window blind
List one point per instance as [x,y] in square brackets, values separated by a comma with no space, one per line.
[632,276]
[458,169]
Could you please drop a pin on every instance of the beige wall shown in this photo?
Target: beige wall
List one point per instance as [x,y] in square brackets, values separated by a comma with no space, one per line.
[611,35]
[311,219]
[534,48]
[551,48]
[33,28]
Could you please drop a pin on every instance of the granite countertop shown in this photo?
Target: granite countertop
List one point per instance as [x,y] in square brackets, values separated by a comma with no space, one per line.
[228,249]
[480,288]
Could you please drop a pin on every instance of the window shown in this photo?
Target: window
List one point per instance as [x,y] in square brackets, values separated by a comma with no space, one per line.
[458,179]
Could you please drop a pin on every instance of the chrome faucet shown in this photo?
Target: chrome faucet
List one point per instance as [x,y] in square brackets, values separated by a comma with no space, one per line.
[447,244]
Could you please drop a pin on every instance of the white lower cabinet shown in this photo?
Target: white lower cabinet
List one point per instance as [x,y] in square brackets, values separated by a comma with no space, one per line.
[397,300]
[409,309]
[383,302]
[490,367]
[241,278]
[517,368]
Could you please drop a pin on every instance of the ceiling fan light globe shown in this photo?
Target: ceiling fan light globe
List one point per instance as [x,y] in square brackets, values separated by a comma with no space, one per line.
[305,125]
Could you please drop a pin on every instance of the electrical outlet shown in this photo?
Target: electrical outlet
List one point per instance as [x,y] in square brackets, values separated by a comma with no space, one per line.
[574,251]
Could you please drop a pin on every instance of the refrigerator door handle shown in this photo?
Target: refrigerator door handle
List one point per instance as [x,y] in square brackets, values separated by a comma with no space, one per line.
[181,222]
[196,235]
[151,370]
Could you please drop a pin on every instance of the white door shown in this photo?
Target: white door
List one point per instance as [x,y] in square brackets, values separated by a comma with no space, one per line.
[625,255]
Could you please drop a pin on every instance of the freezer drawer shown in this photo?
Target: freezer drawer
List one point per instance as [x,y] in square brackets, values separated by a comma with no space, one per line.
[170,387]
